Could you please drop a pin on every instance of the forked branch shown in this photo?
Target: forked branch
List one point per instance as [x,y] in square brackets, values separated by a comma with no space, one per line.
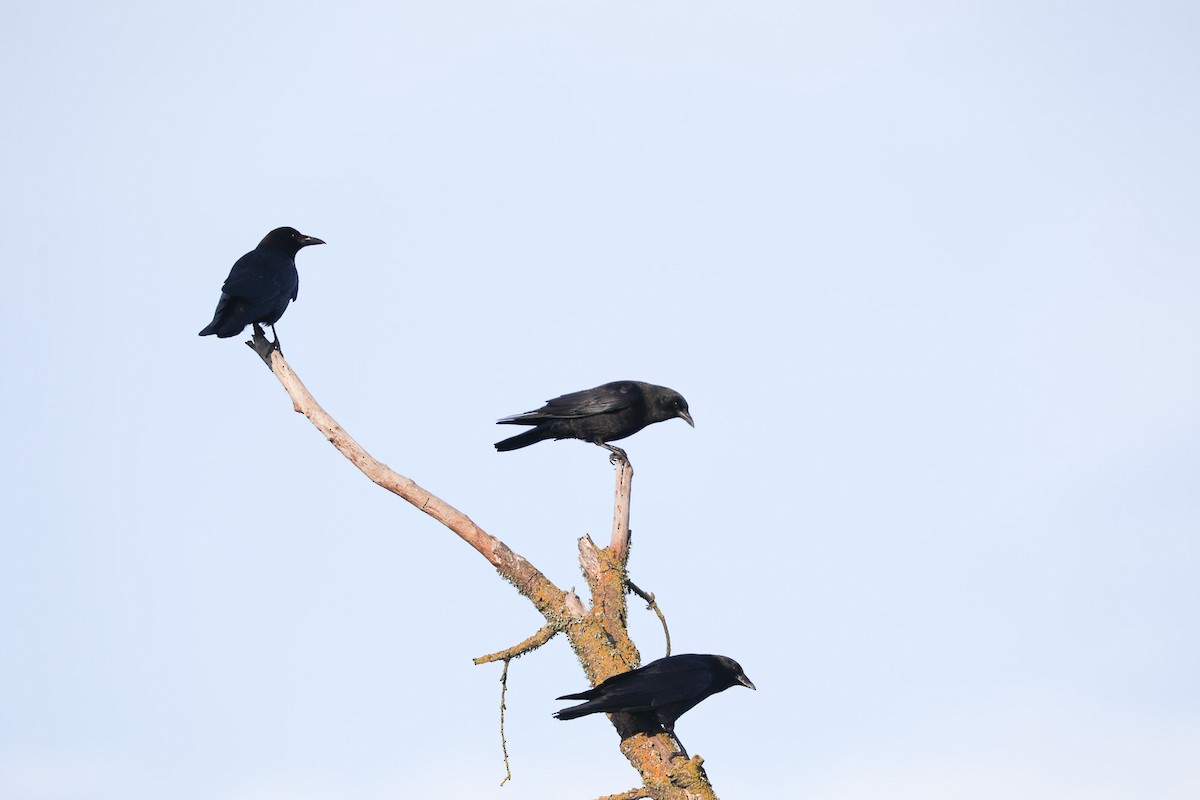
[598,636]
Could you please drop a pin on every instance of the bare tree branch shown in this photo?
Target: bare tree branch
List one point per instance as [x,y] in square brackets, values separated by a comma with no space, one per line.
[598,636]
[620,534]
[545,634]
[529,581]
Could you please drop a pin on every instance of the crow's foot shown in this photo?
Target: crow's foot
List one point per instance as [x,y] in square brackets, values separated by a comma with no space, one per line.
[263,346]
[617,454]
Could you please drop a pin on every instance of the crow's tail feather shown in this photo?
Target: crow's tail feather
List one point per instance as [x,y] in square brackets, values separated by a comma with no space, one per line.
[574,712]
[223,328]
[521,440]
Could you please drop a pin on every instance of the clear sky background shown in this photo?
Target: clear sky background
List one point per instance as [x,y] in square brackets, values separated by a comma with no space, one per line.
[926,273]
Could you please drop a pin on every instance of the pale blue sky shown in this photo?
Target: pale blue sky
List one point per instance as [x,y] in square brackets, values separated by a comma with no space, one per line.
[926,273]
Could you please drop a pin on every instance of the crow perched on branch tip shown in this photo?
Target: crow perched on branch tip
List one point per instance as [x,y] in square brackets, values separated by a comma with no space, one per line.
[260,285]
[600,415]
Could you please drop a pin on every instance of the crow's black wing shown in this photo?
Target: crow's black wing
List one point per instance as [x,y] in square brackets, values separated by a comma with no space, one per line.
[680,679]
[252,274]
[258,274]
[263,282]
[604,399]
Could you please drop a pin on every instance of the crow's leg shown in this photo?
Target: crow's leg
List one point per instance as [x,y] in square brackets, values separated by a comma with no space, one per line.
[682,750]
[617,453]
[261,345]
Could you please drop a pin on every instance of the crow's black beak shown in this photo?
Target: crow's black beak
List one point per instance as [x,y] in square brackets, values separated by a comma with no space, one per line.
[305,241]
[744,681]
[686,417]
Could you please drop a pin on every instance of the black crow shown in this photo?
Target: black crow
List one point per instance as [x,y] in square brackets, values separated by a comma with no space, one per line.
[666,688]
[260,285]
[601,415]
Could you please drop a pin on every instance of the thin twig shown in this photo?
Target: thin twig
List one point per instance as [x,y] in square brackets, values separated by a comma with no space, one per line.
[503,741]
[651,604]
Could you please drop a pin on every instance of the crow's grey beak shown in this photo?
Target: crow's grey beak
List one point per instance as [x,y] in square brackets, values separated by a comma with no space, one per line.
[686,417]
[744,681]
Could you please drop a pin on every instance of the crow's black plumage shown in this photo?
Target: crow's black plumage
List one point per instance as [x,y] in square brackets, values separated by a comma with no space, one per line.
[601,415]
[261,284]
[666,688]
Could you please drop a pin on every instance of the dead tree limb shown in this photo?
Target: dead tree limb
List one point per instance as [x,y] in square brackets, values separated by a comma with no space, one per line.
[620,535]
[545,634]
[598,635]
